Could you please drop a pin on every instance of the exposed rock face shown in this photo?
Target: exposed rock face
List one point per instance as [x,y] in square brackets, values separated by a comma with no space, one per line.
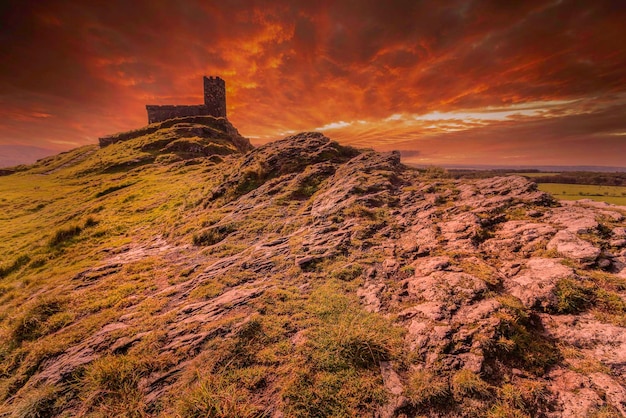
[567,244]
[536,282]
[501,294]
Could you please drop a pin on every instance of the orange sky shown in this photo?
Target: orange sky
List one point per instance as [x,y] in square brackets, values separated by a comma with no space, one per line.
[446,82]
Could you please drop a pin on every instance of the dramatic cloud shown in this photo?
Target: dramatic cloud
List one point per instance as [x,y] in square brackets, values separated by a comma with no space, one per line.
[480,81]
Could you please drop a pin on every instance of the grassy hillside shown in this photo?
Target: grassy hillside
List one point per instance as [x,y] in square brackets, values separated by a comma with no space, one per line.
[95,235]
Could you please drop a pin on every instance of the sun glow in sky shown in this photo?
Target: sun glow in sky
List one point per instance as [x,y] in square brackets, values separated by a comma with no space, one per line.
[529,82]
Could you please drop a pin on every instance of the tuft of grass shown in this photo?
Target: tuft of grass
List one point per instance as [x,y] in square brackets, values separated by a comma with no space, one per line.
[38,262]
[426,388]
[466,383]
[606,411]
[212,235]
[15,266]
[573,296]
[306,188]
[519,342]
[348,336]
[214,396]
[359,210]
[323,394]
[481,235]
[36,321]
[208,290]
[337,369]
[503,410]
[111,385]
[525,398]
[480,270]
[38,403]
[249,181]
[112,189]
[348,273]
[64,234]
[90,222]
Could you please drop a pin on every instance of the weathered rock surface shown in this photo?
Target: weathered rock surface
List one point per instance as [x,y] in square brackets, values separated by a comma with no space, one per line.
[535,284]
[567,244]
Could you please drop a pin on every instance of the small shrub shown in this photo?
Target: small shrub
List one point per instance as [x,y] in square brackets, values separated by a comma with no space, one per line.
[63,235]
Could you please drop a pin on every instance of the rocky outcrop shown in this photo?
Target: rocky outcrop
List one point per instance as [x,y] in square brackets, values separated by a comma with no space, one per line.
[567,244]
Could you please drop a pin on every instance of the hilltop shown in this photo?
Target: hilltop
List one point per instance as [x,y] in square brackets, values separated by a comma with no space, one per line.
[177,271]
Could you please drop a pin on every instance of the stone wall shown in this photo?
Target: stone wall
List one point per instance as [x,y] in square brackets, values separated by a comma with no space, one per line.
[161,113]
[214,104]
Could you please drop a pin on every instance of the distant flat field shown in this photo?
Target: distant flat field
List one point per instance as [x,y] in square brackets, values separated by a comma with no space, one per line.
[609,194]
[536,174]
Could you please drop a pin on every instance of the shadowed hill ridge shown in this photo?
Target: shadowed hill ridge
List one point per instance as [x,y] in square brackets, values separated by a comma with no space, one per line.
[182,273]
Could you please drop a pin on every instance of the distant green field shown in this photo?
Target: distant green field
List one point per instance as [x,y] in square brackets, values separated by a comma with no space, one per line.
[610,194]
[536,174]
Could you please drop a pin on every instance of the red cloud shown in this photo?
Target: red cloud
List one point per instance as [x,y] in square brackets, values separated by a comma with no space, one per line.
[92,67]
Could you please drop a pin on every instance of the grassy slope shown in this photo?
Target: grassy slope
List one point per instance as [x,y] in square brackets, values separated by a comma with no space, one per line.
[54,226]
[57,225]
